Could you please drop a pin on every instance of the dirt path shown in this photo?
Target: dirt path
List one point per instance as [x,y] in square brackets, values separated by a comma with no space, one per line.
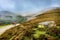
[3,29]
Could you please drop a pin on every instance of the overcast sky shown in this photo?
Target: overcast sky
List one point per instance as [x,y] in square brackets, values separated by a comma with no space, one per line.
[27,5]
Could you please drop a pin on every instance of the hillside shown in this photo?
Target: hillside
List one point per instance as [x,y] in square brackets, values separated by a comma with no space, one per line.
[17,32]
[7,17]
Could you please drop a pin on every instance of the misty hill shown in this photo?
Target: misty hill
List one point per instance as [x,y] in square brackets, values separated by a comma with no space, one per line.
[10,17]
[6,13]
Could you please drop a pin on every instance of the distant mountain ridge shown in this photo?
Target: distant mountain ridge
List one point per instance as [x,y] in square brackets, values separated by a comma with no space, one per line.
[7,17]
[6,13]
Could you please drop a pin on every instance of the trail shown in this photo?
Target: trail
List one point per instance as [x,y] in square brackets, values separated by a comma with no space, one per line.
[3,29]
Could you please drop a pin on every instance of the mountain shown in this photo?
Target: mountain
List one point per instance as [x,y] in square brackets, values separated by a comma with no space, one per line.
[10,17]
[6,13]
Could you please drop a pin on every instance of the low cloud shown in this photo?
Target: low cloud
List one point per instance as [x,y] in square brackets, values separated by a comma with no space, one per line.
[55,5]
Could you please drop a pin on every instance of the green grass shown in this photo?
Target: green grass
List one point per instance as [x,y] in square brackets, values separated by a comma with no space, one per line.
[1,26]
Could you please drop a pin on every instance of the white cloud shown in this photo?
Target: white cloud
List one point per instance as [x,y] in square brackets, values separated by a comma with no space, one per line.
[55,5]
[7,5]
